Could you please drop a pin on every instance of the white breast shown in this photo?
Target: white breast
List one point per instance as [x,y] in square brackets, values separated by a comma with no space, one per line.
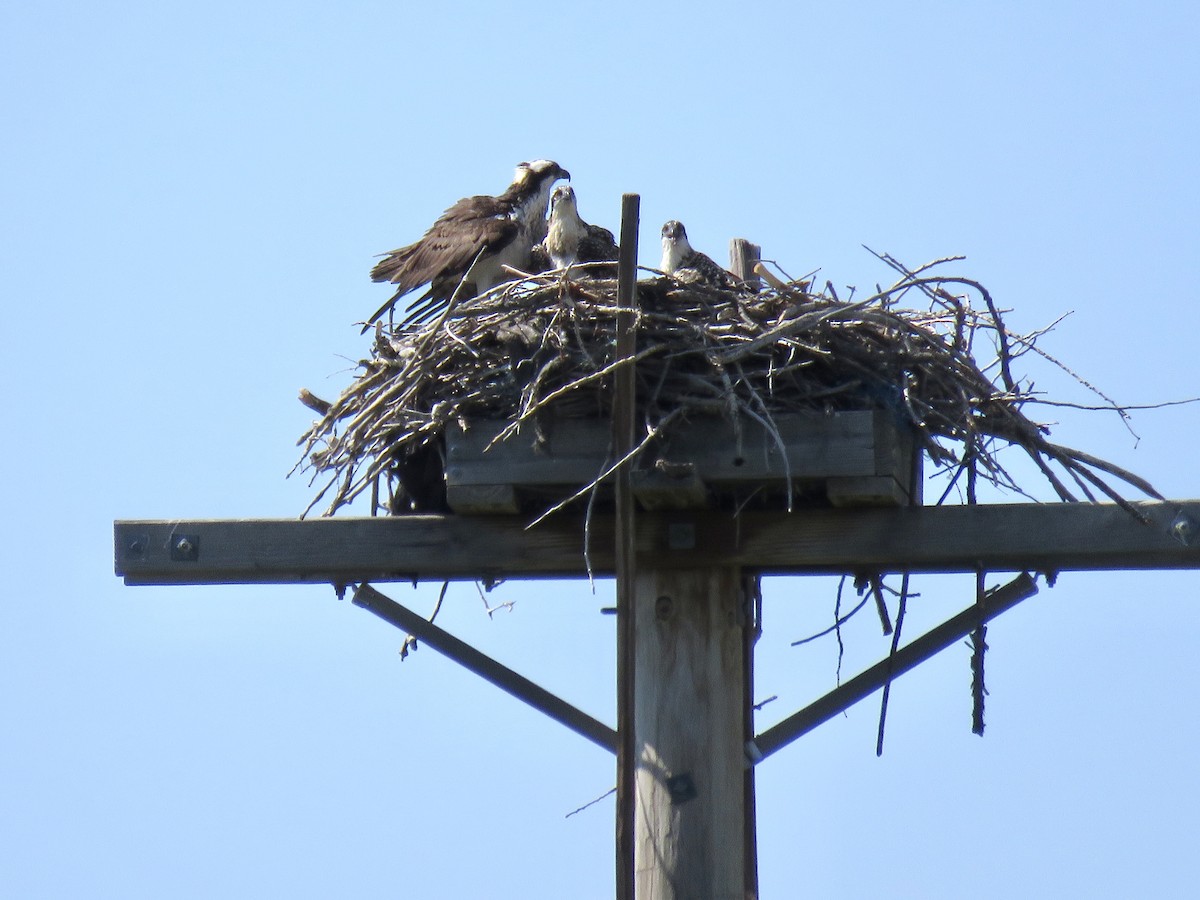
[674,253]
[490,270]
[563,240]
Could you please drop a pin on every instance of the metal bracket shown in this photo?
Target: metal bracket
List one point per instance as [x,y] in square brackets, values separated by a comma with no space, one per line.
[682,788]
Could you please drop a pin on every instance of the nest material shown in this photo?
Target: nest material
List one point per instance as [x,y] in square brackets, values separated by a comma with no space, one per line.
[545,345]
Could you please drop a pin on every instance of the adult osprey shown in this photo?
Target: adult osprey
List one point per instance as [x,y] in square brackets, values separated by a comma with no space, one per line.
[686,264]
[471,243]
[571,240]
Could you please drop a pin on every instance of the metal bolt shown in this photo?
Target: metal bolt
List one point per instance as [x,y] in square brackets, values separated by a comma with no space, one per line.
[1183,529]
[681,535]
[682,788]
[185,548]
[662,608]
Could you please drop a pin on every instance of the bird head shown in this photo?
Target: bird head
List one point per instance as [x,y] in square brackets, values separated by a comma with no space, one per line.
[675,245]
[562,197]
[539,171]
[673,232]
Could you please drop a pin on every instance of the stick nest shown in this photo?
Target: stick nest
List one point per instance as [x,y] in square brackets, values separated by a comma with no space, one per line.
[544,345]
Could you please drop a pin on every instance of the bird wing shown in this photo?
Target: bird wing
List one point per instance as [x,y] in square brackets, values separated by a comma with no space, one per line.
[708,270]
[539,258]
[444,255]
[449,246]
[598,245]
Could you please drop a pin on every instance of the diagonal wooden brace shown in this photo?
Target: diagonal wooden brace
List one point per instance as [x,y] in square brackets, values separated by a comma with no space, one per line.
[484,666]
[906,658]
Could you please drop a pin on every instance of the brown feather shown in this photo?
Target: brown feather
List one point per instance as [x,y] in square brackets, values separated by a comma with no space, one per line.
[477,236]
[442,249]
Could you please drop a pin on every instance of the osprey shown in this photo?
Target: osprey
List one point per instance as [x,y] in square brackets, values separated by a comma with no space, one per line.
[571,240]
[686,264]
[471,243]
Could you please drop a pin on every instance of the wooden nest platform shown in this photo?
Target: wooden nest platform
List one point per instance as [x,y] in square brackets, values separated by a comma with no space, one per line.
[782,396]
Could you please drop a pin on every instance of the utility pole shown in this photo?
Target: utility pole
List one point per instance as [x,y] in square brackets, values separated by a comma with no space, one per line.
[687,599]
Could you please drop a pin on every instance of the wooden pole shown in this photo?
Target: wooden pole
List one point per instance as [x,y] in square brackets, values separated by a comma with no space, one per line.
[624,405]
[689,721]
[742,257]
[751,629]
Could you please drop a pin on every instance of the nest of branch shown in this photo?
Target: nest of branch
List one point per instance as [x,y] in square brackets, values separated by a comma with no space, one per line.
[931,348]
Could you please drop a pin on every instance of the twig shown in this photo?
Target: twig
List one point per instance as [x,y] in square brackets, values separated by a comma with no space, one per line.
[591,803]
[542,346]
[410,640]
[887,685]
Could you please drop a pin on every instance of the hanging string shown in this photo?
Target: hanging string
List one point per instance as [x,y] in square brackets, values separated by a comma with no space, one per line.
[978,649]
[887,685]
[979,635]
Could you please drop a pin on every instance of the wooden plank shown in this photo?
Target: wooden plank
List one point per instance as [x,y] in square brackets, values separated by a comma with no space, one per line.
[1007,537]
[813,447]
[483,499]
[688,734]
[897,477]
[559,452]
[679,488]
[866,490]
[570,453]
[858,457]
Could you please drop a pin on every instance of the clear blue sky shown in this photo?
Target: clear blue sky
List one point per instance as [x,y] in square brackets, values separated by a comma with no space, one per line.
[193,194]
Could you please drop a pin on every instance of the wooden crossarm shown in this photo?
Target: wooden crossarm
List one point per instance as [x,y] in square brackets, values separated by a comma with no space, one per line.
[1011,537]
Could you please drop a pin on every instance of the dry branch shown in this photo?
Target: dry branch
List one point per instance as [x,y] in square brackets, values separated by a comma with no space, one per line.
[543,346]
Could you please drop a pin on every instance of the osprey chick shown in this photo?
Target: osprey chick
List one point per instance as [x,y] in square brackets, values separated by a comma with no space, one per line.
[471,243]
[571,240]
[686,264]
